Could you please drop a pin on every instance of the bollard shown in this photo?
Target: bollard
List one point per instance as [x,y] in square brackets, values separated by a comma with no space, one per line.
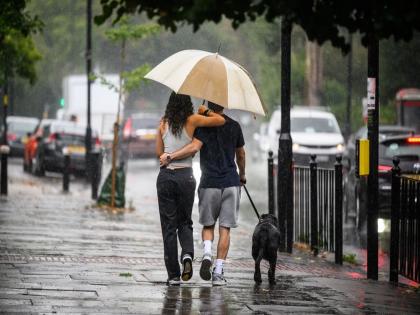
[66,170]
[270,183]
[4,151]
[395,222]
[314,205]
[338,171]
[96,164]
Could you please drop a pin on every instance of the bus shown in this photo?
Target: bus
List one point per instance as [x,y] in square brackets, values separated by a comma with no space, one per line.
[408,108]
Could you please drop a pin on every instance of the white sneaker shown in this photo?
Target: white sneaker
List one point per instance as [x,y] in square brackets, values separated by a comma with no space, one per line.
[218,279]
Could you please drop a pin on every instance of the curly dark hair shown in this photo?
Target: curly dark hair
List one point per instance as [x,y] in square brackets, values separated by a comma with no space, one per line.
[177,111]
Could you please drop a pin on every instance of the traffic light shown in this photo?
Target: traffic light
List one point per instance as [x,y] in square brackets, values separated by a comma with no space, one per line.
[62,102]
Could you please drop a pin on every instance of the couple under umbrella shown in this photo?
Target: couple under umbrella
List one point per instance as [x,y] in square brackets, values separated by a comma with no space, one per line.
[181,134]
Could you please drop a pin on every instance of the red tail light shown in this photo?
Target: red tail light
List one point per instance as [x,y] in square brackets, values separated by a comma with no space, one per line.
[384,168]
[127,128]
[52,137]
[11,137]
[414,140]
[98,142]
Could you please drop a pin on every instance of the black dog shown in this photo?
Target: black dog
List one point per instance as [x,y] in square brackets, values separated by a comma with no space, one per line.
[265,244]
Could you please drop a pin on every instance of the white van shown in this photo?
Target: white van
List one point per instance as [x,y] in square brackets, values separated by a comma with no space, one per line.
[313,130]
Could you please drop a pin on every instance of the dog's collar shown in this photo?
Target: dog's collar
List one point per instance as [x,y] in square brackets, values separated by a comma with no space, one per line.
[267,221]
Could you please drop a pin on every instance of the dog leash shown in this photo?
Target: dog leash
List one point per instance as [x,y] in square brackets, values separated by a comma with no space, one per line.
[252,203]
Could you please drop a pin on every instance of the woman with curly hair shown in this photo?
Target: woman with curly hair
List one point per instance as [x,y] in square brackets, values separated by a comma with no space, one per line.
[176,184]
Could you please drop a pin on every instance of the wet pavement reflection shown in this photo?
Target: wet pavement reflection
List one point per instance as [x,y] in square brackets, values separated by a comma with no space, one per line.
[60,255]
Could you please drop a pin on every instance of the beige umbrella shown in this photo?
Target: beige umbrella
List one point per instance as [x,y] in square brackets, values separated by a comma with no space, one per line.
[209,76]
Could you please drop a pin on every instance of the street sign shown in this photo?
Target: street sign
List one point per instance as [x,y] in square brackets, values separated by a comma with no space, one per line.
[371,93]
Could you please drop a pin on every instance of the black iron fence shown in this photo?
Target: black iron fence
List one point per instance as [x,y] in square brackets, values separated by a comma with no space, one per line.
[405,226]
[317,197]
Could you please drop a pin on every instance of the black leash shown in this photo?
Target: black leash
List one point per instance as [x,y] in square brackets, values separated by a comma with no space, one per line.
[252,203]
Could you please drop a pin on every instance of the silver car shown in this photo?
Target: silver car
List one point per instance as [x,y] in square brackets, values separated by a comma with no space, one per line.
[314,131]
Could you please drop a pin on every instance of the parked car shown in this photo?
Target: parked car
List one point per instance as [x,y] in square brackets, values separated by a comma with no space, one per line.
[18,128]
[384,132]
[314,130]
[404,147]
[44,151]
[139,134]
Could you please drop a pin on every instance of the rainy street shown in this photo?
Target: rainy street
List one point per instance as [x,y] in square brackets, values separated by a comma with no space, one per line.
[209,157]
[61,255]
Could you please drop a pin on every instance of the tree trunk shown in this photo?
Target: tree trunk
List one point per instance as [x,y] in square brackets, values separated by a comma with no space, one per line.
[314,74]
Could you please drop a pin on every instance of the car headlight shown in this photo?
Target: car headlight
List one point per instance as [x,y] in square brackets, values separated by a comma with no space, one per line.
[340,147]
[295,147]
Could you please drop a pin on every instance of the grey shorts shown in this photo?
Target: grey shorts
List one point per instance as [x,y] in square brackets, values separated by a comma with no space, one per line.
[222,204]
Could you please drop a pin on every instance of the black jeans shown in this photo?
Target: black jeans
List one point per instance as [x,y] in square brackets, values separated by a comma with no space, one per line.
[175,190]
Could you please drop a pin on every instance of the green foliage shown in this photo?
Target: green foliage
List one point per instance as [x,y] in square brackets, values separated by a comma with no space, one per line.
[135,78]
[255,45]
[350,258]
[15,19]
[19,56]
[125,31]
[399,66]
[322,20]
[387,113]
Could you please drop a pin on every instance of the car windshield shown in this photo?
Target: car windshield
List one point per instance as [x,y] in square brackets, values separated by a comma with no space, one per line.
[391,149]
[21,127]
[145,123]
[313,125]
[69,129]
[412,116]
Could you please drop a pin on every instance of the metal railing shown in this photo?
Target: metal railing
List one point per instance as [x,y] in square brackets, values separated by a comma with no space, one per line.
[318,207]
[405,226]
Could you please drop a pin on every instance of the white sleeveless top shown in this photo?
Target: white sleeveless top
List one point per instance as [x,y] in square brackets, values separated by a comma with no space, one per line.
[173,143]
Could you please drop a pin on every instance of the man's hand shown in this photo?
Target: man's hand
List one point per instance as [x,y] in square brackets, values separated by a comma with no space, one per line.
[242,179]
[201,109]
[164,159]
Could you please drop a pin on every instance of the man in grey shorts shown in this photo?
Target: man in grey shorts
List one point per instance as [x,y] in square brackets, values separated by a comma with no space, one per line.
[219,191]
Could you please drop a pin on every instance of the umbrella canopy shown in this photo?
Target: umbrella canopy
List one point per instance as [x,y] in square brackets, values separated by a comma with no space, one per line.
[209,76]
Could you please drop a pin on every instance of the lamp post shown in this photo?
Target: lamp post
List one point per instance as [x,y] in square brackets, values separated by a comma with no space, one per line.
[284,173]
[373,126]
[88,139]
[349,87]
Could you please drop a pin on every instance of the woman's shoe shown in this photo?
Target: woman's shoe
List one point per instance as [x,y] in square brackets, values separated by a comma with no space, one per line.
[173,281]
[187,271]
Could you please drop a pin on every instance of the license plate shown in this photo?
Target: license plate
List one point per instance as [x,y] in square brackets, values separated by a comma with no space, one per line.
[76,149]
[322,158]
[148,137]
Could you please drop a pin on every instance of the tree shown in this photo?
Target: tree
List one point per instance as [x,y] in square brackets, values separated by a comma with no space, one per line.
[14,18]
[17,51]
[314,74]
[128,80]
[321,20]
[18,55]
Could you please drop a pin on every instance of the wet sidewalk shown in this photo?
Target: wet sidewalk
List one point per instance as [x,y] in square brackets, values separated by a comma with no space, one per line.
[60,255]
